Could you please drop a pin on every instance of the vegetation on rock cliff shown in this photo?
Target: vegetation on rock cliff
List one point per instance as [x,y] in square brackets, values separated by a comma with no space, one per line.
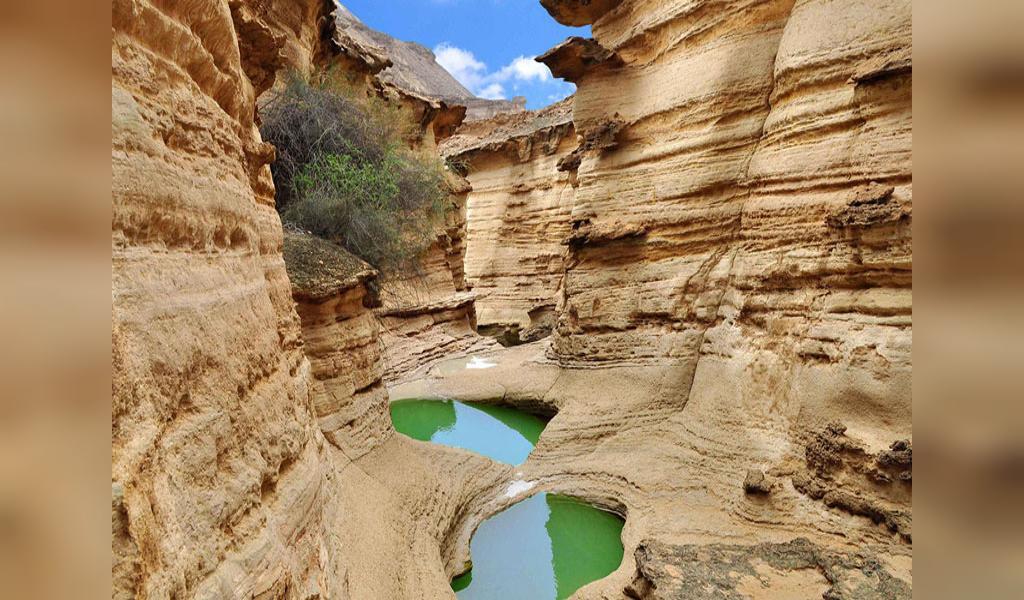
[344,172]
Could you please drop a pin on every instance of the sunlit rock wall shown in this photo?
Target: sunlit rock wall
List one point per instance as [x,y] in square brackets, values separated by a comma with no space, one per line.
[425,314]
[430,314]
[741,228]
[218,468]
[304,30]
[517,214]
[335,296]
[750,204]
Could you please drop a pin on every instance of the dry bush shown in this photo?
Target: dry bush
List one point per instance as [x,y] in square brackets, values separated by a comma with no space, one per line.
[343,172]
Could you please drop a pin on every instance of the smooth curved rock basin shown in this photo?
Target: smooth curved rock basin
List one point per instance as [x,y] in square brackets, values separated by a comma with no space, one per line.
[504,434]
[545,547]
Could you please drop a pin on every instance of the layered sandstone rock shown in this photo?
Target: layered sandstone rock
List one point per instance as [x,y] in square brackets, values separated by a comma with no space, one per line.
[398,506]
[430,314]
[754,206]
[740,251]
[517,216]
[304,32]
[736,298]
[218,469]
[361,66]
[740,129]
[335,294]
[223,485]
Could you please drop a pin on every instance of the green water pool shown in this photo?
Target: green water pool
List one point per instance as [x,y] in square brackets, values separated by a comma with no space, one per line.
[543,548]
[505,434]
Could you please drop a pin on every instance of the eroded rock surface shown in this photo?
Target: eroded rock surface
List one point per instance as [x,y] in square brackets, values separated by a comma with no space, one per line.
[844,475]
[740,182]
[517,216]
[335,294]
[790,570]
[428,313]
[223,484]
[217,467]
[431,313]
[735,295]
[732,293]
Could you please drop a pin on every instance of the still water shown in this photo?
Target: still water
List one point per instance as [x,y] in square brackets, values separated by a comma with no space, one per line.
[543,548]
[505,434]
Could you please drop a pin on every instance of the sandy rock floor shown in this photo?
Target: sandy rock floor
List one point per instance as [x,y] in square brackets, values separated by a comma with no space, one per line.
[622,440]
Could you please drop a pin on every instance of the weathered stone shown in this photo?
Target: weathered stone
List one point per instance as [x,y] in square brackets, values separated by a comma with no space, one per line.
[223,484]
[794,569]
[756,483]
[571,59]
[518,213]
[216,460]
[739,278]
[737,274]
[578,12]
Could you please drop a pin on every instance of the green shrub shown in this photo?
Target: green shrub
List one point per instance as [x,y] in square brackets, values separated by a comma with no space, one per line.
[344,172]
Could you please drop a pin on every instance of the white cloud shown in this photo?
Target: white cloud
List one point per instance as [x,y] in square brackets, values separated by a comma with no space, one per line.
[524,68]
[493,91]
[474,74]
[562,92]
[463,66]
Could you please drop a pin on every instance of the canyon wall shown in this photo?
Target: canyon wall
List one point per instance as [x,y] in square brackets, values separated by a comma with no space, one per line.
[517,216]
[742,218]
[748,211]
[218,469]
[240,468]
[731,364]
[335,294]
[429,313]
[723,229]
[741,127]
[304,34]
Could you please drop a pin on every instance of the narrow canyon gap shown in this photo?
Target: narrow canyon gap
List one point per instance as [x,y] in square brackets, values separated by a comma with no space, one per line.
[701,262]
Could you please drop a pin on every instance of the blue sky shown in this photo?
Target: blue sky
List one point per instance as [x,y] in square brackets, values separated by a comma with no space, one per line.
[488,45]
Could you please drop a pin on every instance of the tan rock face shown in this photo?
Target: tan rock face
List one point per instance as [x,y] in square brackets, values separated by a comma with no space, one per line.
[733,297]
[304,32]
[517,213]
[742,226]
[578,12]
[431,314]
[763,174]
[217,466]
[732,361]
[751,221]
[222,483]
[335,297]
[745,130]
